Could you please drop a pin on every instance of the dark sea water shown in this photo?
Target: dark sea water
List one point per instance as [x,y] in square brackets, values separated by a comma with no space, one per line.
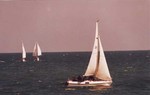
[130,71]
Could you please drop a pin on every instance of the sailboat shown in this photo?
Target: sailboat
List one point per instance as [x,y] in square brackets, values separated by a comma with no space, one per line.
[37,51]
[23,53]
[97,72]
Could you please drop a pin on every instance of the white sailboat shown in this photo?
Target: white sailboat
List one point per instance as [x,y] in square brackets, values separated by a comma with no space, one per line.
[37,51]
[23,53]
[97,72]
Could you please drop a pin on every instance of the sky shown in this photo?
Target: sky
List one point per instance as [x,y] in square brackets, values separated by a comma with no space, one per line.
[69,25]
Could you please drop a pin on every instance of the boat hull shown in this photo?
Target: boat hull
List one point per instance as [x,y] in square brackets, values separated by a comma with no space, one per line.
[89,83]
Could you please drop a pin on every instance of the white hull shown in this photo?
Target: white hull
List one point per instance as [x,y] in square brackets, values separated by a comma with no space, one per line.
[23,60]
[37,59]
[88,83]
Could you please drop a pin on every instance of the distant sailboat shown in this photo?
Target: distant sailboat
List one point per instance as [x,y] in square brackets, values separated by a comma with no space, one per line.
[97,72]
[23,53]
[37,51]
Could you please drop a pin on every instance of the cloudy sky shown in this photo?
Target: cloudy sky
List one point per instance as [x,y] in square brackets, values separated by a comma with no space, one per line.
[69,25]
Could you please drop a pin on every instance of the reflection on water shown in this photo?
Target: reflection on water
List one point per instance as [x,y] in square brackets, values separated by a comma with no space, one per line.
[90,88]
[100,87]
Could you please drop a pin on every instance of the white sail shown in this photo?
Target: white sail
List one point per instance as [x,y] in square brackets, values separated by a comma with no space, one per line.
[34,50]
[103,71]
[97,64]
[23,53]
[37,50]
[93,60]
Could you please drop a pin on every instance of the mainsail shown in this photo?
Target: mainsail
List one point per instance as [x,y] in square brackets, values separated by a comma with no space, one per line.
[97,65]
[23,53]
[93,60]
